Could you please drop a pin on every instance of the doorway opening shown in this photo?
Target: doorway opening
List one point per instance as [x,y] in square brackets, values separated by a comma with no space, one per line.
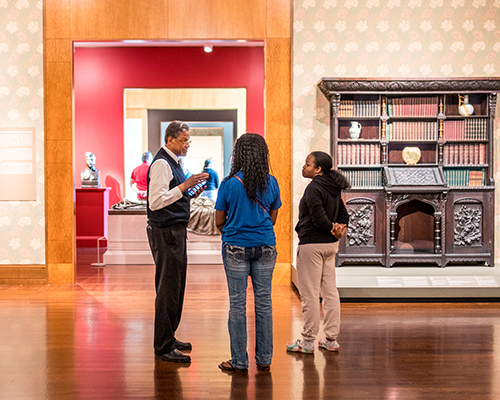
[103,71]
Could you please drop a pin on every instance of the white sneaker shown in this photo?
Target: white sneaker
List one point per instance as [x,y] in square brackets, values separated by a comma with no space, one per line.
[330,345]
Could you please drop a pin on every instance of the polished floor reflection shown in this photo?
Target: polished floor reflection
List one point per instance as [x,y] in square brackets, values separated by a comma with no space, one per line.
[93,340]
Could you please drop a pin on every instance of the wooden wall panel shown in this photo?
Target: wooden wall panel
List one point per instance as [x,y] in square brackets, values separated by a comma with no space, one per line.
[279,17]
[58,50]
[280,157]
[117,20]
[57,20]
[70,20]
[23,281]
[278,136]
[59,151]
[28,272]
[60,222]
[217,19]
[58,101]
[103,19]
[24,275]
[140,21]
[61,251]
[60,207]
[61,274]
[278,50]
[59,184]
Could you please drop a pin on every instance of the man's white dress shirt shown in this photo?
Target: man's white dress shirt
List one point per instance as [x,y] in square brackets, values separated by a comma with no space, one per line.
[160,175]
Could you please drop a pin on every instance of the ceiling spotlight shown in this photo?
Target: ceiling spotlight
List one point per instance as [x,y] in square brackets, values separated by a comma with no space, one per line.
[208,47]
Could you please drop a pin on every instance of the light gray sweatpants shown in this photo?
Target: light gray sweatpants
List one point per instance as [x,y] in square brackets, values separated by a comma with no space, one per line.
[316,272]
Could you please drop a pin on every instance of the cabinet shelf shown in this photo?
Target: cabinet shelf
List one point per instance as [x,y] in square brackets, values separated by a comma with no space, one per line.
[465,165]
[412,141]
[461,117]
[465,188]
[403,165]
[367,187]
[445,141]
[350,141]
[359,166]
[410,118]
[375,117]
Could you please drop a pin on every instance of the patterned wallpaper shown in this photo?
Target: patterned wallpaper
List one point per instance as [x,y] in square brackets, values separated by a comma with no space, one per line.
[385,38]
[22,224]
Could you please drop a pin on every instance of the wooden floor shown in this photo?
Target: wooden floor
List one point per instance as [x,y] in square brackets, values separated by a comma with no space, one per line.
[93,340]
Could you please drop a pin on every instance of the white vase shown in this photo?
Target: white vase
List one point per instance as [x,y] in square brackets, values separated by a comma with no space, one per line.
[465,109]
[355,130]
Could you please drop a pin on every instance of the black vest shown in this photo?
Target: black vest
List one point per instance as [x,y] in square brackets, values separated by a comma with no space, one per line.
[177,212]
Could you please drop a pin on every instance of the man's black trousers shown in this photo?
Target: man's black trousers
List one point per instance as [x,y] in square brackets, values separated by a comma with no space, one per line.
[168,246]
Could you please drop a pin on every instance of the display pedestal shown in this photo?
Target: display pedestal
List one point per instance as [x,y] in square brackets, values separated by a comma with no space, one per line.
[419,283]
[128,242]
[92,206]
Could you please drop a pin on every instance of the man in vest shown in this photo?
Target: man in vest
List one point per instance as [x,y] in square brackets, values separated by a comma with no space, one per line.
[168,215]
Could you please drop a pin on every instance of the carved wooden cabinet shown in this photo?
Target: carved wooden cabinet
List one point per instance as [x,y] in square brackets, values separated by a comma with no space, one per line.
[419,156]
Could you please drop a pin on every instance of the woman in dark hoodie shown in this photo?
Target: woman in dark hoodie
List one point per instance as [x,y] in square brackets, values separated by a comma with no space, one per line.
[323,220]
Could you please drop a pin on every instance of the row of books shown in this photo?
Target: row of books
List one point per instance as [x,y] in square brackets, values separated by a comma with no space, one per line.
[359,108]
[363,178]
[412,106]
[358,154]
[465,177]
[454,177]
[464,154]
[468,129]
[405,130]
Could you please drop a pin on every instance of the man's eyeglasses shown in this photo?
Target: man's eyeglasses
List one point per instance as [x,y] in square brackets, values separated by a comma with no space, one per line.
[184,141]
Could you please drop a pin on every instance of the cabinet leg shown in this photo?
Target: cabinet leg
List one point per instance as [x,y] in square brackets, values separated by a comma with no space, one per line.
[437,235]
[393,234]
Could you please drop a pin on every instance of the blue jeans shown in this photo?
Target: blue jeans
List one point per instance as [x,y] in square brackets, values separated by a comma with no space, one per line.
[258,263]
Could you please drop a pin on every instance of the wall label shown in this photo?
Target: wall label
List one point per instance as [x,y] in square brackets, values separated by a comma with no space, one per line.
[17,164]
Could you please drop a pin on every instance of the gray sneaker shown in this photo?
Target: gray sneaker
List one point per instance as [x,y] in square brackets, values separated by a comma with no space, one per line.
[330,345]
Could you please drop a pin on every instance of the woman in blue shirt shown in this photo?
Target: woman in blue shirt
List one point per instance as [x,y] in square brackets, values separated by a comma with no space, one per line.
[246,210]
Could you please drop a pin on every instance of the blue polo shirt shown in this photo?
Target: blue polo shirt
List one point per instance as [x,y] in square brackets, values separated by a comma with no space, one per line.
[247,224]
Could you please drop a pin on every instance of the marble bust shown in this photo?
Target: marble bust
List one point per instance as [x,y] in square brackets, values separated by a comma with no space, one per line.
[90,175]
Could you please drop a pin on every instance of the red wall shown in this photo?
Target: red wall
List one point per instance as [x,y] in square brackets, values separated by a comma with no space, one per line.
[101,75]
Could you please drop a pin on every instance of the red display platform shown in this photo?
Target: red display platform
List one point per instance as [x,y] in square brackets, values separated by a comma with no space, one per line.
[92,206]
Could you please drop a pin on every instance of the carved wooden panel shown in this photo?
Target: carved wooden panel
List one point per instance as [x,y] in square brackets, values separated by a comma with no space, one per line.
[413,176]
[333,86]
[467,223]
[361,231]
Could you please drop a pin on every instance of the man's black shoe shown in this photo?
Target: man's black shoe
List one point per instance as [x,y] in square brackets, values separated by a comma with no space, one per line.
[182,345]
[174,356]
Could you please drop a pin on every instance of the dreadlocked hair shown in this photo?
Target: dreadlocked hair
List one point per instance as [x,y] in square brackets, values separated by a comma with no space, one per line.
[251,156]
